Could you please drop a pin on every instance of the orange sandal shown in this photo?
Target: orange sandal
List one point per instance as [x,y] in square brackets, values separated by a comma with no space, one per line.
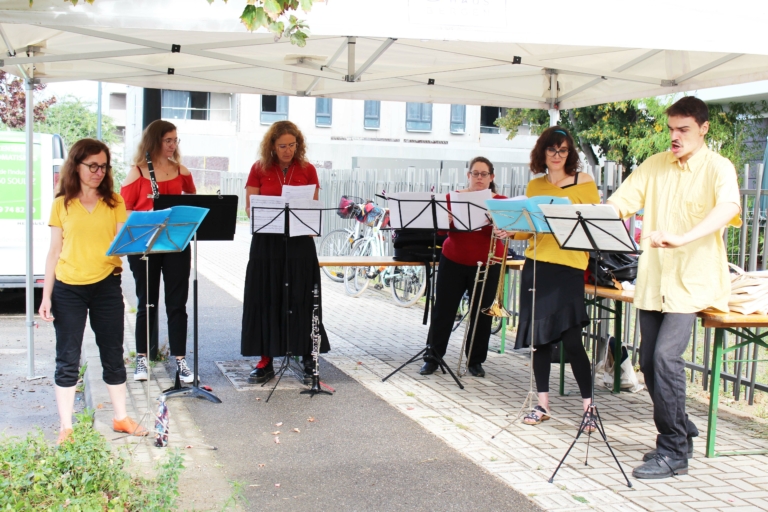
[128,426]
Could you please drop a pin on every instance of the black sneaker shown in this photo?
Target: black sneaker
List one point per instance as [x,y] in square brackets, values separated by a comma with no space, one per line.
[185,374]
[651,454]
[661,466]
[260,375]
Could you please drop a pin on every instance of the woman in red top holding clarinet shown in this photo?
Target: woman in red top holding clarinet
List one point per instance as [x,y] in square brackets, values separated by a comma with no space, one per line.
[282,162]
[159,140]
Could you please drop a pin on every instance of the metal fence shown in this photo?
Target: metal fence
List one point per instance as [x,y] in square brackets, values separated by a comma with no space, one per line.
[745,246]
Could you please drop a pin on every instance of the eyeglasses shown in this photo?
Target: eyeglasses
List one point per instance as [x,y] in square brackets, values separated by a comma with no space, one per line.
[478,174]
[283,147]
[562,153]
[94,168]
[168,142]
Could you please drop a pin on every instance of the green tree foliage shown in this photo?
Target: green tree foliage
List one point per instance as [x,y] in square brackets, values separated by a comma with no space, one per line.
[628,132]
[74,119]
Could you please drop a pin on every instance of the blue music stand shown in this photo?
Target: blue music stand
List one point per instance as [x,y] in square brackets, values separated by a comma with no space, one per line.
[155,232]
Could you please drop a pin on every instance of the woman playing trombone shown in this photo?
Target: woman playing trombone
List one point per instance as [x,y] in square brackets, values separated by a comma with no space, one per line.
[458,269]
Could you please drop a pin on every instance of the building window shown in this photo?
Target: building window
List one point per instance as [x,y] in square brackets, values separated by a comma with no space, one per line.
[488,116]
[184,105]
[458,118]
[273,108]
[117,101]
[418,117]
[323,111]
[372,114]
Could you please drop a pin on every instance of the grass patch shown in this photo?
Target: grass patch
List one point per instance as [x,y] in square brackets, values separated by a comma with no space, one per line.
[579,499]
[410,393]
[84,474]
[462,427]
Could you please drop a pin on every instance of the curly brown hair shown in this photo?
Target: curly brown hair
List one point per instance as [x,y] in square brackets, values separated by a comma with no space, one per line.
[69,177]
[267,155]
[554,136]
[152,142]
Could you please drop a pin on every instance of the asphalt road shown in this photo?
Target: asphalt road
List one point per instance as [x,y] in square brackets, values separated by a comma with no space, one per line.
[359,453]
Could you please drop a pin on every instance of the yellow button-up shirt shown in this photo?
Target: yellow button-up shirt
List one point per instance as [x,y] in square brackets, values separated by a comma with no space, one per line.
[675,198]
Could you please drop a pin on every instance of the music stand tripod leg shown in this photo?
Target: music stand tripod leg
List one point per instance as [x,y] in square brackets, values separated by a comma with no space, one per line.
[195,390]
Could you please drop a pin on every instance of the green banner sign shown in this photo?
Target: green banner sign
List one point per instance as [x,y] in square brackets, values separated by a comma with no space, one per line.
[13,181]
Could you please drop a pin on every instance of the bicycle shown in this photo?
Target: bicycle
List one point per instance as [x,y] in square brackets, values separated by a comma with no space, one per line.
[339,242]
[356,279]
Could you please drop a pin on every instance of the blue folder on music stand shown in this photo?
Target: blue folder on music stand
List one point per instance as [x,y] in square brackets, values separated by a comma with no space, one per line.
[158,231]
[522,214]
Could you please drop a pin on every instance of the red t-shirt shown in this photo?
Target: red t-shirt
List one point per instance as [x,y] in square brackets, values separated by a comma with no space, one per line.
[135,194]
[270,182]
[469,247]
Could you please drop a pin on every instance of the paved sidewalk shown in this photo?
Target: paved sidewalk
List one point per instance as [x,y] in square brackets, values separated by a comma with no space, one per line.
[202,483]
[370,336]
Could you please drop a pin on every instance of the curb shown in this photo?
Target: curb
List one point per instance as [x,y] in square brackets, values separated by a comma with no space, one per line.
[202,484]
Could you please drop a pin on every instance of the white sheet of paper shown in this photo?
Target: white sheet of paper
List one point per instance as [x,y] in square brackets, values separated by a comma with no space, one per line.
[471,215]
[607,230]
[411,209]
[303,221]
[291,192]
[263,216]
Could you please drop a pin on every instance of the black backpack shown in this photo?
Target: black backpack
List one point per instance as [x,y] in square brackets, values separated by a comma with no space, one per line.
[416,245]
[612,267]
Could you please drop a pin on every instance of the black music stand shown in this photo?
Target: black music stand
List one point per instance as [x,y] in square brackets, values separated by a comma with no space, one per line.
[285,215]
[219,224]
[589,228]
[429,211]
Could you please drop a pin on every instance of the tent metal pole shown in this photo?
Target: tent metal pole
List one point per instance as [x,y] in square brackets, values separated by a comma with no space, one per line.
[351,41]
[30,287]
[98,116]
[554,112]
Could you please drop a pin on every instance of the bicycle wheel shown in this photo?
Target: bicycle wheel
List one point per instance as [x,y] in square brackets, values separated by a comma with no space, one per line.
[408,285]
[495,324]
[356,278]
[335,243]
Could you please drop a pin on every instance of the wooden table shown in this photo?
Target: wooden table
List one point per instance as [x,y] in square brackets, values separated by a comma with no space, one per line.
[729,322]
[365,261]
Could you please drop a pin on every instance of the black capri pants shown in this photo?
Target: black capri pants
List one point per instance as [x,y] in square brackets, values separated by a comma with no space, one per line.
[103,303]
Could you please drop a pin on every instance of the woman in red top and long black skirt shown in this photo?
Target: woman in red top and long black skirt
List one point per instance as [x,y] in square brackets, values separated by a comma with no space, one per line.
[282,162]
[456,275]
[160,141]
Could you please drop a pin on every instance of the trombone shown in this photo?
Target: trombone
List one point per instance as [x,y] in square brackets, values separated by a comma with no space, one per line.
[496,309]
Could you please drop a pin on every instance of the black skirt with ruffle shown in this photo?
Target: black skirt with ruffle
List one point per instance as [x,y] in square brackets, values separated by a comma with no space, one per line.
[265,300]
[559,302]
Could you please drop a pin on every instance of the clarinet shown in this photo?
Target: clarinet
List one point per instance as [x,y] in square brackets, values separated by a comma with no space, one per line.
[316,340]
[155,191]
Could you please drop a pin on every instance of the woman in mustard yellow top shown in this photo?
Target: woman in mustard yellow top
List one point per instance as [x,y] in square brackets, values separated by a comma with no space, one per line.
[560,310]
[81,281]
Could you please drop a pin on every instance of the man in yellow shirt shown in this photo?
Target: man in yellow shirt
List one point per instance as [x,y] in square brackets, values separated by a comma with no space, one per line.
[688,194]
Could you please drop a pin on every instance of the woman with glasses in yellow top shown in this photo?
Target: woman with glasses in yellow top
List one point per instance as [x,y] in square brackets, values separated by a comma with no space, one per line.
[81,281]
[560,310]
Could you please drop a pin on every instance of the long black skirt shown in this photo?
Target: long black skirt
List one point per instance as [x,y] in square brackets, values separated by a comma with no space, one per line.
[265,302]
[559,303]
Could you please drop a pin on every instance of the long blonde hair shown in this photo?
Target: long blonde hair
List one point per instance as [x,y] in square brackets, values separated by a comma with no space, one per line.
[152,142]
[267,156]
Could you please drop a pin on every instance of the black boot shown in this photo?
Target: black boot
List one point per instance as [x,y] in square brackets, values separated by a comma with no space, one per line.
[260,375]
[661,466]
[651,454]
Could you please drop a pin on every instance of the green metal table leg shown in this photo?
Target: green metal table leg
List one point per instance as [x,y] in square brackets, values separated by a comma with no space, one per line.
[714,392]
[503,345]
[617,326]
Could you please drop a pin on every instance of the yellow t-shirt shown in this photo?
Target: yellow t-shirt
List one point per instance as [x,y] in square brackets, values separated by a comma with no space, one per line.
[546,246]
[675,198]
[87,237]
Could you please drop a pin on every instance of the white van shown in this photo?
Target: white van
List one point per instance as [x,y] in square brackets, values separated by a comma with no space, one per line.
[48,157]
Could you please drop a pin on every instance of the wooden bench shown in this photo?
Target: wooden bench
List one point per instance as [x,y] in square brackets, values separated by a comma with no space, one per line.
[722,323]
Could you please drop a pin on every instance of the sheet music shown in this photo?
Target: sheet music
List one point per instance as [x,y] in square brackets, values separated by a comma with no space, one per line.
[411,210]
[267,214]
[604,224]
[441,211]
[302,221]
[468,209]
[293,192]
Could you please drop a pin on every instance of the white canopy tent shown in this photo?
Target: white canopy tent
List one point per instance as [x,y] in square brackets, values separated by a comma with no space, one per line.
[504,53]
